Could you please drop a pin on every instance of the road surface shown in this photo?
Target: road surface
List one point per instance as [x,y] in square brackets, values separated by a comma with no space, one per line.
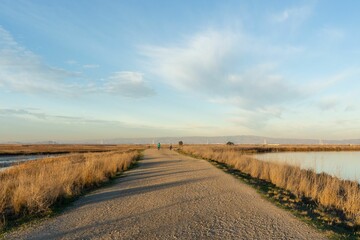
[171,196]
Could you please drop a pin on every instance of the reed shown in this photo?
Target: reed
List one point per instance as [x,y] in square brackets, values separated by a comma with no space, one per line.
[328,191]
[17,149]
[33,187]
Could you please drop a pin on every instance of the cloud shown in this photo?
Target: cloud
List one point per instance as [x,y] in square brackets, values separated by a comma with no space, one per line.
[22,113]
[256,120]
[23,71]
[332,33]
[350,107]
[41,116]
[298,14]
[200,60]
[211,64]
[293,17]
[128,84]
[91,66]
[318,85]
[328,103]
[71,62]
[260,87]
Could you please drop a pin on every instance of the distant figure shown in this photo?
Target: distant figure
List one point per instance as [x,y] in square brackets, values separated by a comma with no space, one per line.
[159,146]
[170,147]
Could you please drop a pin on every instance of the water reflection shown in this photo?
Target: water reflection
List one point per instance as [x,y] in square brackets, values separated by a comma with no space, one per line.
[345,165]
[9,160]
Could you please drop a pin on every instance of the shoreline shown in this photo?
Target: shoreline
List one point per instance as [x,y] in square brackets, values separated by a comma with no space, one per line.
[305,208]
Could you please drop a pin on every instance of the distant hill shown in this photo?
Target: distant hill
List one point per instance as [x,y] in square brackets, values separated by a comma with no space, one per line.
[241,139]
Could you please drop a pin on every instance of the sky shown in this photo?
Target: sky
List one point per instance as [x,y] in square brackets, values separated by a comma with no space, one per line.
[102,69]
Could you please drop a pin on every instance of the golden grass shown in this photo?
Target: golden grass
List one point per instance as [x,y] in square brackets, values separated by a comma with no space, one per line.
[33,187]
[326,190]
[260,148]
[61,148]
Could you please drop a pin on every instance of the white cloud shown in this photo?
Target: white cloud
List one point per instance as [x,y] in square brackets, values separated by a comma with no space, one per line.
[23,71]
[71,62]
[260,87]
[317,85]
[196,64]
[328,103]
[128,84]
[294,16]
[232,69]
[350,108]
[300,13]
[91,66]
[22,113]
[70,123]
[38,115]
[210,64]
[256,120]
[332,33]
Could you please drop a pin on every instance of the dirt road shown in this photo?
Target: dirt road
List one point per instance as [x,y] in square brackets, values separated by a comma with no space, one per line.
[170,196]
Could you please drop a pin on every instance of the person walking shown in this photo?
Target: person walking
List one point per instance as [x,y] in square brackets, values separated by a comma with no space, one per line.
[159,146]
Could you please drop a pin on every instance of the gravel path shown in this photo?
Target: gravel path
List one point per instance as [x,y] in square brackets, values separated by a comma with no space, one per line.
[170,196]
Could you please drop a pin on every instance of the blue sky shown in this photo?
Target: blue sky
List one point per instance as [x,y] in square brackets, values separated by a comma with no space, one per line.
[75,70]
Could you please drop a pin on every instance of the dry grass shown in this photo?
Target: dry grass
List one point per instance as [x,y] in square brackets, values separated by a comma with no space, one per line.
[16,149]
[260,148]
[330,192]
[33,187]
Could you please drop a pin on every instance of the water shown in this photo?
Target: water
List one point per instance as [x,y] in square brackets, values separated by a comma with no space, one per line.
[9,160]
[345,165]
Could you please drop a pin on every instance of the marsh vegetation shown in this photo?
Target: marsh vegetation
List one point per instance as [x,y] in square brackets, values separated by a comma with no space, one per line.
[34,187]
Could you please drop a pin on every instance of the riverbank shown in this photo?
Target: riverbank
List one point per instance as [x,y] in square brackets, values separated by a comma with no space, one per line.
[33,188]
[332,202]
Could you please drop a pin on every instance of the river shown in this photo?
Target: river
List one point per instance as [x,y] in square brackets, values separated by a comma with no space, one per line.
[9,160]
[345,165]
